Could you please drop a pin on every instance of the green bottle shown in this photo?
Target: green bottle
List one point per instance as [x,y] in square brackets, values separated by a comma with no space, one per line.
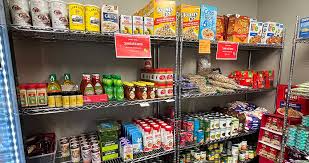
[119,91]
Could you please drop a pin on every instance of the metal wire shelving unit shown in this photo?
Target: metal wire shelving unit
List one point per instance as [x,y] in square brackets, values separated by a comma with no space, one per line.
[296,41]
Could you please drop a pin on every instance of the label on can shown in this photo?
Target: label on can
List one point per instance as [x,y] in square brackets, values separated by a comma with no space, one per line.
[92,14]
[76,17]
[59,14]
[20,12]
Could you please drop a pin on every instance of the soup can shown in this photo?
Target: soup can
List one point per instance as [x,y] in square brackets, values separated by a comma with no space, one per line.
[76,17]
[59,14]
[95,155]
[92,18]
[20,12]
[75,153]
[40,14]
[86,154]
[65,148]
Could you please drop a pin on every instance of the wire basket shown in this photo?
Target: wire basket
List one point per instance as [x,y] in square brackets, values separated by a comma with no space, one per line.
[46,158]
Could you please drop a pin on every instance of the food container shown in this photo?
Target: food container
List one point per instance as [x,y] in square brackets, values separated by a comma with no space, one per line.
[65,100]
[238,28]
[208,22]
[23,95]
[59,14]
[255,32]
[151,91]
[169,90]
[129,90]
[190,21]
[32,95]
[86,154]
[148,26]
[92,18]
[220,36]
[76,17]
[140,91]
[161,90]
[20,12]
[40,14]
[95,155]
[109,19]
[138,25]
[75,153]
[64,148]
[159,75]
[126,24]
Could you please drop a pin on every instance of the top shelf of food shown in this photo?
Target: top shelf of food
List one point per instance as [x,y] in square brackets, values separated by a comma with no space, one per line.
[162,20]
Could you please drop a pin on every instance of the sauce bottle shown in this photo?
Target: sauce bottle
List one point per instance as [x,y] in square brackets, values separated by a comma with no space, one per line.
[108,86]
[98,87]
[53,85]
[67,80]
[86,85]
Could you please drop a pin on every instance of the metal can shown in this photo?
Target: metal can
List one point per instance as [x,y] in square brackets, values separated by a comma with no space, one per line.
[200,137]
[86,154]
[222,133]
[40,14]
[95,155]
[190,137]
[75,153]
[207,136]
[213,135]
[228,121]
[59,14]
[227,132]
[222,122]
[211,123]
[190,126]
[76,17]
[217,122]
[20,12]
[65,148]
[218,134]
[92,18]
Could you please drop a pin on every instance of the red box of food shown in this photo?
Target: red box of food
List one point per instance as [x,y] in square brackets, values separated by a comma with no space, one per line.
[96,98]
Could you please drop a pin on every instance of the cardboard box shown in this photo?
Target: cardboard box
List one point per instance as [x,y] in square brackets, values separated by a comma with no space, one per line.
[304,28]
[138,25]
[221,28]
[268,34]
[126,24]
[148,26]
[190,21]
[208,22]
[279,33]
[238,28]
[255,32]
[110,19]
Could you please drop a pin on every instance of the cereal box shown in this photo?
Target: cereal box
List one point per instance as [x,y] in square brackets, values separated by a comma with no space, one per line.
[268,34]
[279,33]
[138,25]
[109,18]
[208,22]
[148,26]
[238,28]
[220,36]
[126,24]
[255,32]
[304,28]
[190,21]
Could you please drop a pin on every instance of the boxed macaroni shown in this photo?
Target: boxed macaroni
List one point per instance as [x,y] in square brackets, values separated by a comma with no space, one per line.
[208,22]
[138,25]
[238,28]
[190,21]
[148,26]
[126,24]
[268,35]
[255,32]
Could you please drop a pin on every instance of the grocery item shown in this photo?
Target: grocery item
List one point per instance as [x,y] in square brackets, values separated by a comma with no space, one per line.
[268,35]
[238,28]
[76,16]
[110,20]
[255,32]
[151,90]
[65,100]
[169,91]
[23,95]
[161,90]
[126,24]
[291,112]
[40,14]
[92,18]
[79,100]
[73,100]
[86,85]
[138,25]
[147,139]
[20,12]
[32,95]
[53,85]
[221,28]
[96,82]
[208,22]
[190,21]
[41,90]
[140,91]
[148,26]
[59,14]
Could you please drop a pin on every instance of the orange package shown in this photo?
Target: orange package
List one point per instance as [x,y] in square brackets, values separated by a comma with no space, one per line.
[238,28]
[221,24]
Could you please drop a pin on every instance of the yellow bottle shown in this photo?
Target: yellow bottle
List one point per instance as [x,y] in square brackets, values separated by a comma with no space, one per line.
[53,85]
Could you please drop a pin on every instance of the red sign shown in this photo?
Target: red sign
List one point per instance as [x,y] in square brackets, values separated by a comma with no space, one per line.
[132,46]
[227,50]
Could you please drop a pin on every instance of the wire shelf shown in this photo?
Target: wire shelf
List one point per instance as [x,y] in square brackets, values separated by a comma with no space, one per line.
[303,41]
[219,140]
[197,95]
[94,106]
[242,46]
[298,151]
[54,34]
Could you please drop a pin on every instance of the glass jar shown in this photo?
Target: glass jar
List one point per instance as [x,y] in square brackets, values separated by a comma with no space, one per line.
[160,90]
[169,90]
[140,91]
[151,91]
[32,95]
[129,90]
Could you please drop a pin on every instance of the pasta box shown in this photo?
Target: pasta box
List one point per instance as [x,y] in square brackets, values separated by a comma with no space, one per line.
[268,34]
[255,32]
[238,28]
[208,22]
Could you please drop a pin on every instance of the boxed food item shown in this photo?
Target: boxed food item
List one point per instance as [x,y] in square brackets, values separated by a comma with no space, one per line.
[238,28]
[126,24]
[138,25]
[109,18]
[190,21]
[221,28]
[255,32]
[304,28]
[268,34]
[279,33]
[148,26]
[164,15]
[208,22]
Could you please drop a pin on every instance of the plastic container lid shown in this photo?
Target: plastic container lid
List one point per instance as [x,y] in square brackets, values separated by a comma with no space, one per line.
[23,86]
[170,84]
[147,129]
[168,128]
[160,85]
[156,127]
[32,86]
[41,85]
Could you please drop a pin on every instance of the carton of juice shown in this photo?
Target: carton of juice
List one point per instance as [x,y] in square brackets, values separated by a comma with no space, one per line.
[268,34]
[220,28]
[238,28]
[190,21]
[255,32]
[138,25]
[208,22]
[126,24]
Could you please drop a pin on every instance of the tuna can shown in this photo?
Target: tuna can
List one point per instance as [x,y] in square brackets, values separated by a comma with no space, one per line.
[76,17]
[86,154]
[92,18]
[20,12]
[65,148]
[95,155]
[59,14]
[40,14]
[75,153]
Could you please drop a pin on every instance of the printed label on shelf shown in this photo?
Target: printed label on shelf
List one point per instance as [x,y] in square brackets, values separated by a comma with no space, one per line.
[169,100]
[132,46]
[227,50]
[204,47]
[144,104]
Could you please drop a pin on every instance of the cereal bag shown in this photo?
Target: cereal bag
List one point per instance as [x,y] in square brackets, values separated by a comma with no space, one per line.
[190,21]
[220,28]
[238,28]
[208,22]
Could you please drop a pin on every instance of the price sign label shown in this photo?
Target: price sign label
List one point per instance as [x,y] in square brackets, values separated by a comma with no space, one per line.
[204,46]
[132,46]
[227,50]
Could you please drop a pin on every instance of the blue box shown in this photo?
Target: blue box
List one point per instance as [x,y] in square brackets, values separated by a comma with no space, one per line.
[208,22]
[304,28]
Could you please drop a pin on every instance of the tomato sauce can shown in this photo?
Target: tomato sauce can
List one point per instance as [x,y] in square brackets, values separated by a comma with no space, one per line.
[93,17]
[86,154]
[20,12]
[76,17]
[40,14]
[59,14]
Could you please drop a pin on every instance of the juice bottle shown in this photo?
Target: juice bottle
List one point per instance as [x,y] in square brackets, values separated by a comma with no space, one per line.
[53,85]
[98,88]
[86,85]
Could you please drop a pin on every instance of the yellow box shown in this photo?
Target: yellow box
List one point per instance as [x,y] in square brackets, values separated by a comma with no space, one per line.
[93,17]
[77,16]
[190,21]
[164,15]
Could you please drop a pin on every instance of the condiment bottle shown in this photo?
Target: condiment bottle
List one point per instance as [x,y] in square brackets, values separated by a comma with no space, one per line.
[32,95]
[98,87]
[67,80]
[53,85]
[86,86]
[51,100]
[118,90]
[23,95]
[108,86]
[58,100]
[65,100]
[41,94]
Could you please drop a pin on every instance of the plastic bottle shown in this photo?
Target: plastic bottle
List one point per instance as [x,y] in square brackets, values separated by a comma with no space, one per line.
[98,87]
[53,85]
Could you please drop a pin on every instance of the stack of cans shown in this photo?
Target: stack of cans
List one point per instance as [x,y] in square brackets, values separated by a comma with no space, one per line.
[292,132]
[302,138]
[305,121]
[85,147]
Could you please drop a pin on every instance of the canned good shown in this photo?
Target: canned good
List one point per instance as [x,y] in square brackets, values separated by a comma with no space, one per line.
[200,136]
[65,148]
[76,17]
[235,150]
[213,135]
[92,16]
[222,133]
[218,134]
[86,154]
[207,136]
[40,14]
[217,122]
[59,14]
[211,123]
[20,12]
[95,155]
[242,156]
[75,153]
[228,121]
[227,132]
[222,122]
